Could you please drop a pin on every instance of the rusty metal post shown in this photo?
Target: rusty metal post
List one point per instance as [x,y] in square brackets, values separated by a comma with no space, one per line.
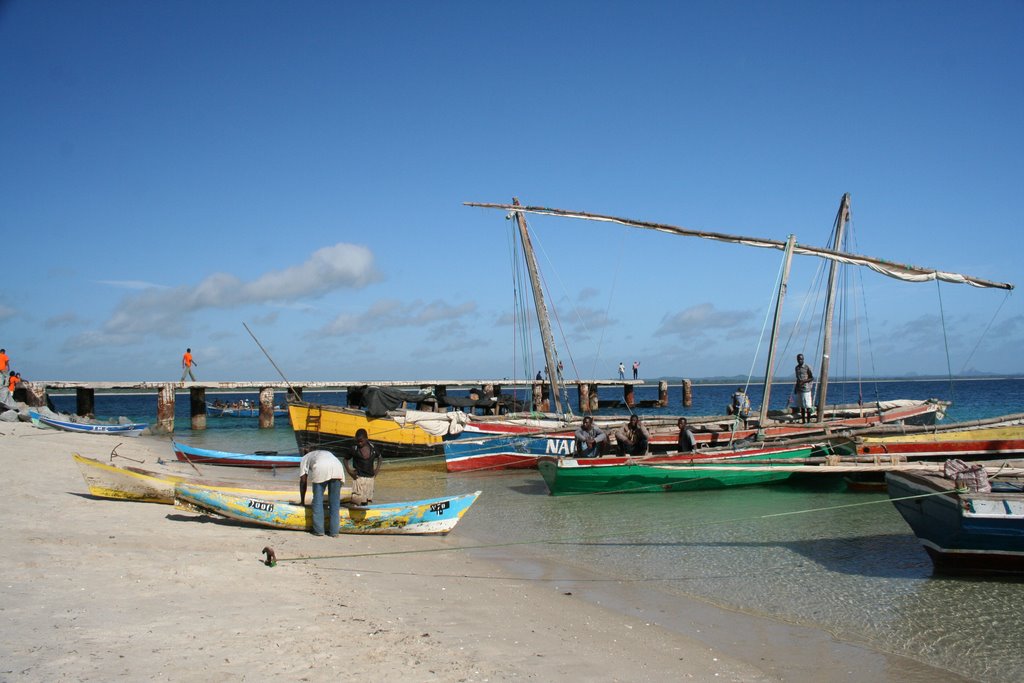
[595,401]
[687,393]
[197,407]
[164,410]
[496,410]
[85,401]
[627,394]
[266,407]
[662,393]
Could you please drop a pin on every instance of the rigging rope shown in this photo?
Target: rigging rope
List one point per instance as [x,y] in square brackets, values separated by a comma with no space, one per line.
[971,354]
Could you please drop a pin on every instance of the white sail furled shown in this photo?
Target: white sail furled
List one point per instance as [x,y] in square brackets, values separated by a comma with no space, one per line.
[899,271]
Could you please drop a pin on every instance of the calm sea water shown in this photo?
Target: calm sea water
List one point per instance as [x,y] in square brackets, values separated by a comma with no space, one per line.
[820,556]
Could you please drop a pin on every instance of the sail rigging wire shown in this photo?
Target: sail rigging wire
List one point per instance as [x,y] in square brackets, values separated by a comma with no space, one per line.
[984,332]
[899,271]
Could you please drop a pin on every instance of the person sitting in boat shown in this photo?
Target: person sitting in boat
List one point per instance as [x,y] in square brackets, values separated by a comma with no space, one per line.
[362,463]
[633,437]
[591,441]
[740,405]
[687,441]
[802,389]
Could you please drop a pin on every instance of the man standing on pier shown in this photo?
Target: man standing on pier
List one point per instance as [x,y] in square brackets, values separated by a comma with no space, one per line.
[325,471]
[187,363]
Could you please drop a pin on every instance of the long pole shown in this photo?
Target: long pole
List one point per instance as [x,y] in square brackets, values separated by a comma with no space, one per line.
[770,370]
[830,303]
[543,321]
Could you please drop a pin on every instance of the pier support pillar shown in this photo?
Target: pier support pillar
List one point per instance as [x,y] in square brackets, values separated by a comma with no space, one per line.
[583,396]
[662,393]
[266,407]
[164,410]
[197,407]
[427,404]
[441,397]
[85,401]
[627,394]
[687,393]
[595,400]
[538,397]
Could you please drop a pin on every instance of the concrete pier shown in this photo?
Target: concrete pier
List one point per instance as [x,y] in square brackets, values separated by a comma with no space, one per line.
[85,394]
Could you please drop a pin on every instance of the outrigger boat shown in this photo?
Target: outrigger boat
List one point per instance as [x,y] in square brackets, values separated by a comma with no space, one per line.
[91,427]
[259,459]
[430,516]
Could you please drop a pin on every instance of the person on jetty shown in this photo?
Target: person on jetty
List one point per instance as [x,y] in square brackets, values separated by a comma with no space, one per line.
[187,364]
[622,371]
[324,470]
[362,464]
[5,366]
[591,441]
[802,389]
[636,368]
[632,438]
[687,441]
[740,405]
[13,382]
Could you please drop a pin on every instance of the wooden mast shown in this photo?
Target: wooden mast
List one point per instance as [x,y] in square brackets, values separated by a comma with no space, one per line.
[842,218]
[770,370]
[542,310]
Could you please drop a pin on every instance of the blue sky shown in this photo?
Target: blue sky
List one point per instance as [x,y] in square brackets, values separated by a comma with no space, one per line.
[171,170]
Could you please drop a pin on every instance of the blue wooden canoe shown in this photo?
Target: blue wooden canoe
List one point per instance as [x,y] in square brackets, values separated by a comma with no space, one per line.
[260,459]
[430,516]
[129,429]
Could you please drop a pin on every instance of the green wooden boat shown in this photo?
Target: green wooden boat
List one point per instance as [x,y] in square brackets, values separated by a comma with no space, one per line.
[689,472]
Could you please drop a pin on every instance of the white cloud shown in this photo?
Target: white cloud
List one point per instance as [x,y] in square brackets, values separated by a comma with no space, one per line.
[131,284]
[165,311]
[701,318]
[389,313]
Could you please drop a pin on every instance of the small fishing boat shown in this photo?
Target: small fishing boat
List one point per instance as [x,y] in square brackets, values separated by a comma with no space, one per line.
[154,483]
[240,409]
[430,516]
[206,456]
[970,521]
[91,427]
[706,469]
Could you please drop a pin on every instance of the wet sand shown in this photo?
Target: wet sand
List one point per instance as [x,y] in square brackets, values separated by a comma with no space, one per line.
[100,589]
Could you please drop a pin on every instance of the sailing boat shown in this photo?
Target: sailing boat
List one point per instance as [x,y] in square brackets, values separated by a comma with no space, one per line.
[765,426]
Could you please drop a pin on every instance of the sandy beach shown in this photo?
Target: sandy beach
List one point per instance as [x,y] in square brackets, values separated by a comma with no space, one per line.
[101,589]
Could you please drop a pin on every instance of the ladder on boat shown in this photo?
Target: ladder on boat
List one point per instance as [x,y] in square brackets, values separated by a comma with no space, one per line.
[313,414]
